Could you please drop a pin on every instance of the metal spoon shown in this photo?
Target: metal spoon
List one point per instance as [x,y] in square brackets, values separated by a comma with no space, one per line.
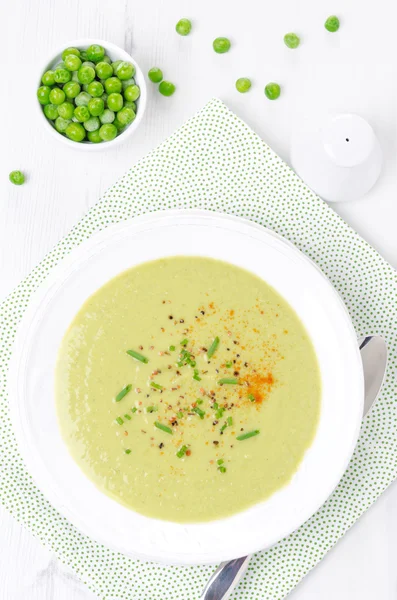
[374,356]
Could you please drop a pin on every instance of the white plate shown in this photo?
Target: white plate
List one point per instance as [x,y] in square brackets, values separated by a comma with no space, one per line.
[31,385]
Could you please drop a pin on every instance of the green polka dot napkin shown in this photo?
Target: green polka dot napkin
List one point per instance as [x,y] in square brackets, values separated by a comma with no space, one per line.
[216,162]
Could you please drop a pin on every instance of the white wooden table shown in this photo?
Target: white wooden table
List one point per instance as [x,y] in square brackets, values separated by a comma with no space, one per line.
[353,70]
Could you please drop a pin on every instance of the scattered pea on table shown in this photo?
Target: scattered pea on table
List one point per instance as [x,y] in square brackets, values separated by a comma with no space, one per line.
[243,85]
[183,27]
[332,24]
[272,91]
[166,88]
[221,45]
[17,177]
[291,40]
[155,75]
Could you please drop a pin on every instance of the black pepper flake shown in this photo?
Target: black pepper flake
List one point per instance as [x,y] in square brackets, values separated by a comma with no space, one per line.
[234,361]
[215,422]
[228,349]
[182,321]
[147,395]
[140,347]
[215,442]
[217,370]
[170,317]
[178,372]
[235,373]
[202,312]
[161,445]
[237,356]
[245,364]
[235,342]
[174,423]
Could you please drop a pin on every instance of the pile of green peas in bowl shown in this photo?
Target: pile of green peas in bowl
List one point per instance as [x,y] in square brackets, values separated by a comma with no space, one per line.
[92,92]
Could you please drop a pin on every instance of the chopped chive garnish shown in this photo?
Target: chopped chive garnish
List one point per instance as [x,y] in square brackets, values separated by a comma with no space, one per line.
[119,420]
[127,416]
[223,427]
[215,406]
[163,427]
[228,365]
[220,461]
[219,413]
[192,363]
[196,375]
[199,412]
[229,421]
[228,380]
[182,451]
[127,451]
[138,356]
[245,436]
[134,409]
[123,392]
[199,401]
[156,386]
[184,342]
[172,348]
[222,469]
[179,415]
[151,409]
[251,397]
[212,349]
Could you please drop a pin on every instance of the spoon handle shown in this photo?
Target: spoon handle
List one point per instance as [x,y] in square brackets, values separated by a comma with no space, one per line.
[225,579]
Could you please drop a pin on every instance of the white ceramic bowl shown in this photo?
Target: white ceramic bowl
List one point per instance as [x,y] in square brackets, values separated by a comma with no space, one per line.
[31,385]
[115,53]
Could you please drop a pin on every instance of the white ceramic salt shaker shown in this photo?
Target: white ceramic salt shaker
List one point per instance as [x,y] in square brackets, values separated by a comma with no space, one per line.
[339,157]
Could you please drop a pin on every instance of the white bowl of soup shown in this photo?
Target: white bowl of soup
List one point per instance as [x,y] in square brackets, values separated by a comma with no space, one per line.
[196,383]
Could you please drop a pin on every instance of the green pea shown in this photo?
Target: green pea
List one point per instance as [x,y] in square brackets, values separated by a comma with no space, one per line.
[62,75]
[125,70]
[332,24]
[60,65]
[71,89]
[108,132]
[105,98]
[221,45]
[65,110]
[17,177]
[75,132]
[68,51]
[155,74]
[106,59]
[291,40]
[57,96]
[72,62]
[115,102]
[94,136]
[92,124]
[166,88]
[272,91]
[51,111]
[113,85]
[96,106]
[107,116]
[82,99]
[120,127]
[61,124]
[83,54]
[84,87]
[96,53]
[88,63]
[243,85]
[82,113]
[183,27]
[130,104]
[126,116]
[127,82]
[104,70]
[95,88]
[48,78]
[115,64]
[75,77]
[43,94]
[132,93]
[86,74]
